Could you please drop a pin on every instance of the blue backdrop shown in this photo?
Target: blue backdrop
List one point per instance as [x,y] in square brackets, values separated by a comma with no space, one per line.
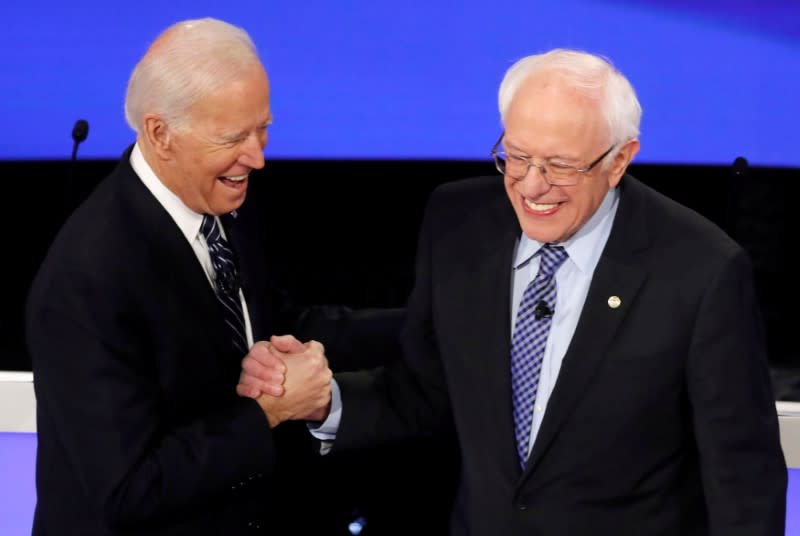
[367,79]
[18,492]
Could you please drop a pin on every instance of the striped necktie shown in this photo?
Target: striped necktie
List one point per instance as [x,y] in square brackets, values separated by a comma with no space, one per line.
[226,282]
[529,341]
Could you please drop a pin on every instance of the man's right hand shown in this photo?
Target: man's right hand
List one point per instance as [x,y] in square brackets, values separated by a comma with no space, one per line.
[305,379]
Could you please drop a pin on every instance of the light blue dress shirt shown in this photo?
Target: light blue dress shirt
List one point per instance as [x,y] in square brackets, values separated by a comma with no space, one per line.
[572,283]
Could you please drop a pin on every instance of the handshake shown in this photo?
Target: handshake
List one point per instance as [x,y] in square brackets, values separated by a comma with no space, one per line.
[290,380]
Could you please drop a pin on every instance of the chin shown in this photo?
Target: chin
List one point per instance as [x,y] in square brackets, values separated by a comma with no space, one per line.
[540,235]
[235,203]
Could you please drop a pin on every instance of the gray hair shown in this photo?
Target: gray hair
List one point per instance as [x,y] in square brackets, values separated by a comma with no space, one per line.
[592,75]
[187,62]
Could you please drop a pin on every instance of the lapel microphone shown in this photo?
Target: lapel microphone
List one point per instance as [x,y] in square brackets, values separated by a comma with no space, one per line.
[228,281]
[542,310]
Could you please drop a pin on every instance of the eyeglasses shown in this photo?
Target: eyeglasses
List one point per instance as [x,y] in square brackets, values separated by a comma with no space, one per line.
[554,172]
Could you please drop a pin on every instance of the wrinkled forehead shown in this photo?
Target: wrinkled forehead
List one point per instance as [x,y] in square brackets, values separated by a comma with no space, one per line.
[548,117]
[241,103]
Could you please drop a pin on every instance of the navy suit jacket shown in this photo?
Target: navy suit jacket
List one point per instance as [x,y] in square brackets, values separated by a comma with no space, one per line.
[140,429]
[662,419]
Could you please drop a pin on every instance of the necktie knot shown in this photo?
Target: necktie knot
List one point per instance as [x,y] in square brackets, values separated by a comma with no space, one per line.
[551,258]
[222,259]
[210,230]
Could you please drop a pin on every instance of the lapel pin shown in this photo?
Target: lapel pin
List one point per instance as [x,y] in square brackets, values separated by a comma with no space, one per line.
[614,302]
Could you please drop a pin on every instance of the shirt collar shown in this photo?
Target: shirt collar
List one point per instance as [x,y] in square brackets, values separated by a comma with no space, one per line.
[188,221]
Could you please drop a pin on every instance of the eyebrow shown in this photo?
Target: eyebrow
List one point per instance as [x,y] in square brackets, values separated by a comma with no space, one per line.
[225,138]
[238,135]
[550,157]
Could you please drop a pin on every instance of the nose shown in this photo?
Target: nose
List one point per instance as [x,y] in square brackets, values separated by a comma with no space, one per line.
[539,167]
[534,182]
[253,152]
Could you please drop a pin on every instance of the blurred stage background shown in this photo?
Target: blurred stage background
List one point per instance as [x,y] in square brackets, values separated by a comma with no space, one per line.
[377,103]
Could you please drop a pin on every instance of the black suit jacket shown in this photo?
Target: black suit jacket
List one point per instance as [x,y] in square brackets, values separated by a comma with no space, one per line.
[662,419]
[140,430]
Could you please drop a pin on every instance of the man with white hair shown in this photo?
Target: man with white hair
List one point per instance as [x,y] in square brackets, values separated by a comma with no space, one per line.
[144,307]
[597,346]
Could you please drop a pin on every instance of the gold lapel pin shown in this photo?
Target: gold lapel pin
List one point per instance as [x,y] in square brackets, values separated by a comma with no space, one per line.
[614,302]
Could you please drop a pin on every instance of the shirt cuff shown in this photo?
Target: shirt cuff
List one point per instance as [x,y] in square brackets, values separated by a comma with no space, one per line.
[326,431]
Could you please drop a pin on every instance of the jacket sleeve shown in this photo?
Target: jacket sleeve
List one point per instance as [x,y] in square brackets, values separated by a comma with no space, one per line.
[735,421]
[137,452]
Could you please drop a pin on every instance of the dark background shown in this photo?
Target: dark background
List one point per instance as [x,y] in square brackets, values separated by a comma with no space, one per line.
[345,230]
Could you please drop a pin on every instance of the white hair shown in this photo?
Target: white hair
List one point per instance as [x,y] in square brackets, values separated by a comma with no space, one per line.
[188,61]
[592,75]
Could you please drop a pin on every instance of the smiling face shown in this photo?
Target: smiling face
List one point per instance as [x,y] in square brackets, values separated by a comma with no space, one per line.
[207,163]
[548,119]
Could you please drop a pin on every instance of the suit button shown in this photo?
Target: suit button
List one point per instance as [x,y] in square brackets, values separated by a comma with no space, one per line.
[522,507]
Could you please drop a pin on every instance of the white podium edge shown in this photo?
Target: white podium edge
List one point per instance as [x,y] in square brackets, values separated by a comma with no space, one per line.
[18,413]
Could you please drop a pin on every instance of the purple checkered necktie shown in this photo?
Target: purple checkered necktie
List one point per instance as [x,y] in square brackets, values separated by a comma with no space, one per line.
[529,340]
[226,282]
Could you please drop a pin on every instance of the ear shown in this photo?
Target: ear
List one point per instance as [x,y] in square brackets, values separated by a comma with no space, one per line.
[158,135]
[621,161]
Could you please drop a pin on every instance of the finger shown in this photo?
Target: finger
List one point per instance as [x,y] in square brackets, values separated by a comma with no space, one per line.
[247,391]
[287,343]
[260,373]
[316,346]
[260,351]
[316,351]
[273,389]
[253,387]
[258,380]
[266,357]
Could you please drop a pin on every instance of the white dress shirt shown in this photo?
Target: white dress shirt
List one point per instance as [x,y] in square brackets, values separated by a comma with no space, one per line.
[187,220]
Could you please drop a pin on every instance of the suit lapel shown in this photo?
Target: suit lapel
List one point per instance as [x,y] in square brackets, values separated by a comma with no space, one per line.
[237,241]
[481,286]
[185,280]
[494,350]
[617,274]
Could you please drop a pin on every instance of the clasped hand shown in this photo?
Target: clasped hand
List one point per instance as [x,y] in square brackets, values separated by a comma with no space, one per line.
[290,380]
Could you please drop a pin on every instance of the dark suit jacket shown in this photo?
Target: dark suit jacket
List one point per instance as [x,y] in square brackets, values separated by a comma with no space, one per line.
[662,420]
[140,430]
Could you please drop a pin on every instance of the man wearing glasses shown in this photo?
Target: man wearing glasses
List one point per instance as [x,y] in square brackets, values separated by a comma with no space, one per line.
[596,346]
